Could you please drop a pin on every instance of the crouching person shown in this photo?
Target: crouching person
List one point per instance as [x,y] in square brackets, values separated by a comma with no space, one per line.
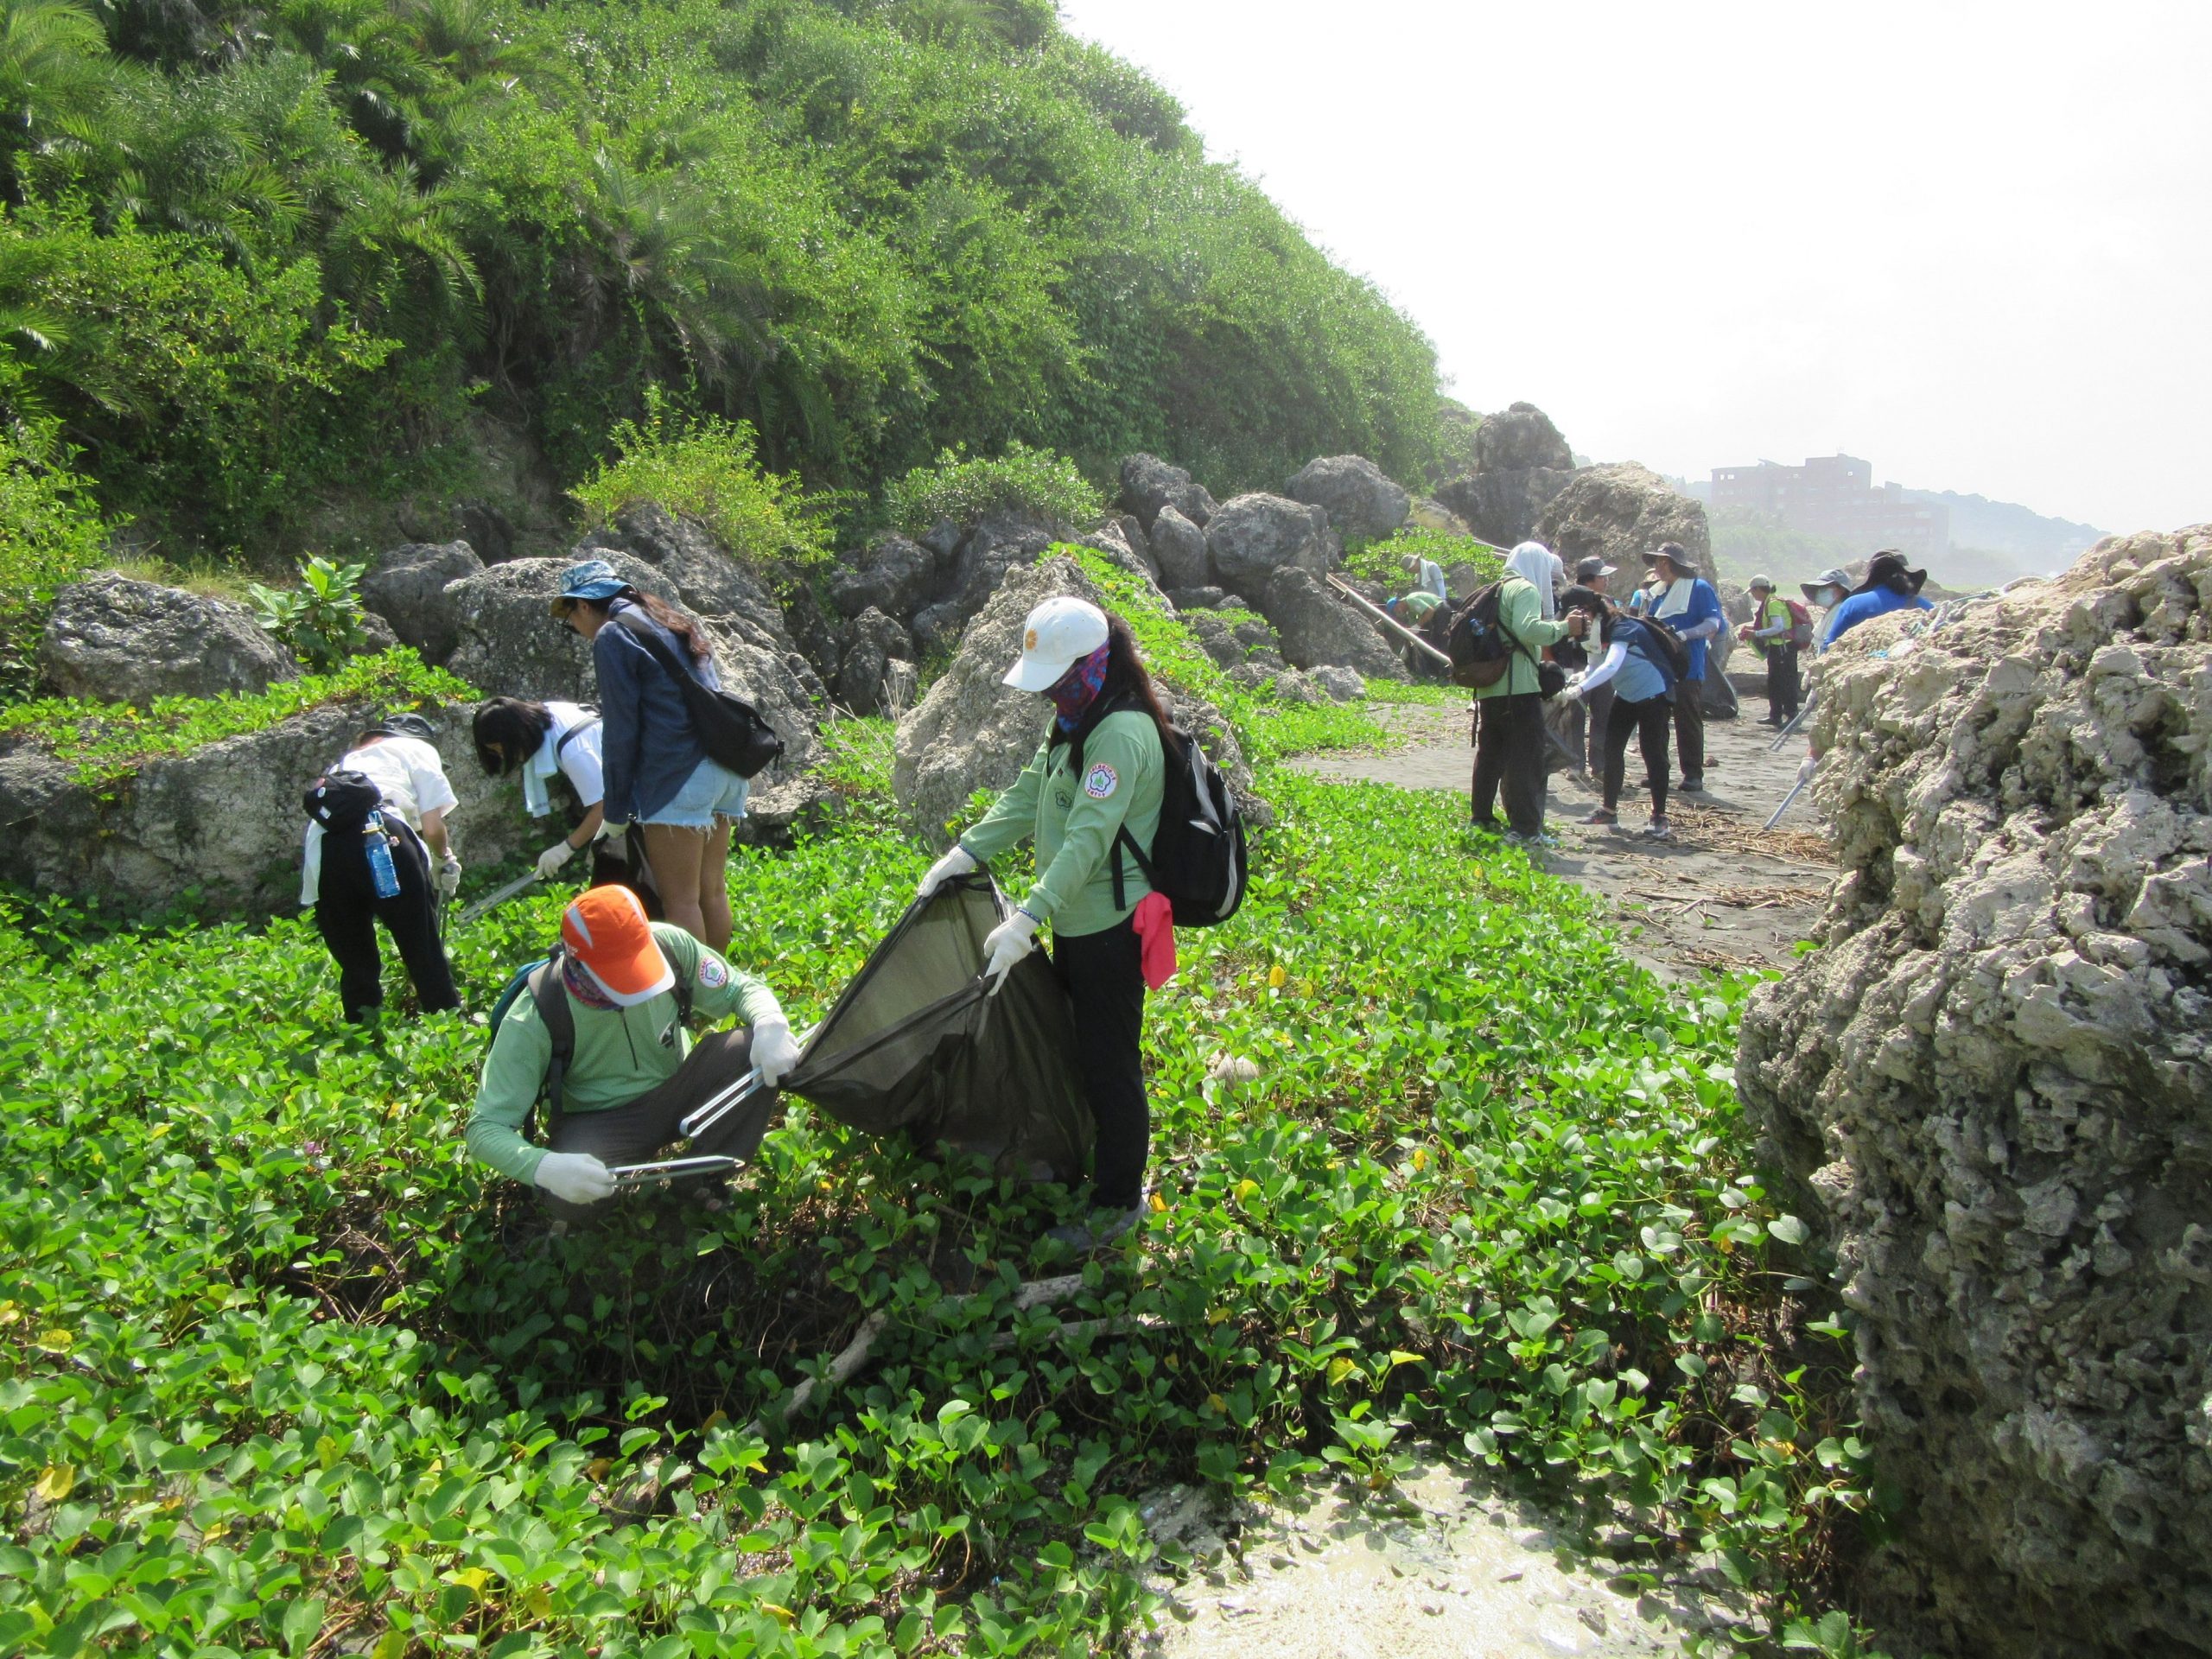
[631,1074]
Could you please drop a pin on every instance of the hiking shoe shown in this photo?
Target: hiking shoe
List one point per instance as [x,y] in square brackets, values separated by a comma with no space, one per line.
[1102,1230]
[1693,785]
[1537,843]
[1605,817]
[1658,829]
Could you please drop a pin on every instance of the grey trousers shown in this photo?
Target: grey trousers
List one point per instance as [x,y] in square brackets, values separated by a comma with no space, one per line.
[635,1133]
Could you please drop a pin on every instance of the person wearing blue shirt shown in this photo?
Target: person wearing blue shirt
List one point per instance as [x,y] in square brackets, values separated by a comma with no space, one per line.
[1888,587]
[1687,603]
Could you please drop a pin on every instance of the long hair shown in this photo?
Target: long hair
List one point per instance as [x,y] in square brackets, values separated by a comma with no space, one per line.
[686,631]
[1126,685]
[507,732]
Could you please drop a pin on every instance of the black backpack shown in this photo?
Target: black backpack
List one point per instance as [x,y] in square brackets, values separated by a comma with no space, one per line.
[542,981]
[341,799]
[1479,646]
[731,729]
[1198,859]
[1676,647]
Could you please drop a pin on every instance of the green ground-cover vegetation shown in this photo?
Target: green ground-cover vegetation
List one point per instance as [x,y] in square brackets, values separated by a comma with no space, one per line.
[258,260]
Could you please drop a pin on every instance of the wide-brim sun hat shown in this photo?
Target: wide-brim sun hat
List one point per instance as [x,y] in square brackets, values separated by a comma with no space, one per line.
[590,579]
[1674,554]
[1057,635]
[1822,583]
[607,935]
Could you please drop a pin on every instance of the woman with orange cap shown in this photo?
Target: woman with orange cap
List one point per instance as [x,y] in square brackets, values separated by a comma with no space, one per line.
[621,986]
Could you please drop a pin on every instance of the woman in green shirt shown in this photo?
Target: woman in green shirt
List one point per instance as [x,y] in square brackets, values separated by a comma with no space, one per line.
[1098,772]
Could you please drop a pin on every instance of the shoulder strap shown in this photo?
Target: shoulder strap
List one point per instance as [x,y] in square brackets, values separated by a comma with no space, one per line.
[571,734]
[639,626]
[551,999]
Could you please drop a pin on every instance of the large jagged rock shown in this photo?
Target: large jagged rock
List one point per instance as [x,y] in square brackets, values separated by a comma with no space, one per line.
[893,575]
[221,826]
[1518,438]
[1520,462]
[406,586]
[111,638]
[1179,546]
[1362,505]
[1149,483]
[1618,511]
[1319,629]
[1250,537]
[876,642]
[973,733]
[510,644]
[1991,1087]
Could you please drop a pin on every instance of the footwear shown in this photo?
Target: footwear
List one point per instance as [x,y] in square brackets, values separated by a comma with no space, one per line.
[1540,842]
[1604,817]
[1658,829]
[1102,1230]
[1693,785]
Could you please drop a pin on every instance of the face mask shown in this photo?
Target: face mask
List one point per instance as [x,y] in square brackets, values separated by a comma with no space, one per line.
[1074,691]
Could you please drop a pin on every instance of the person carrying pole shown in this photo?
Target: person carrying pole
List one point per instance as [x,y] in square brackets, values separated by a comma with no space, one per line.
[375,821]
[599,1033]
[1099,774]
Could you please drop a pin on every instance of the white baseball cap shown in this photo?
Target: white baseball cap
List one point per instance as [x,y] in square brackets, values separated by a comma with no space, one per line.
[1059,633]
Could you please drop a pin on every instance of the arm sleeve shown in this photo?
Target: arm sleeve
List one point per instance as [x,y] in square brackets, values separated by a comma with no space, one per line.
[1013,816]
[426,774]
[1093,823]
[621,717]
[1616,654]
[1705,614]
[718,990]
[1523,613]
[513,1073]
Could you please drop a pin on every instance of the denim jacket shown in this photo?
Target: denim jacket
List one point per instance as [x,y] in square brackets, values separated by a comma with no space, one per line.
[648,746]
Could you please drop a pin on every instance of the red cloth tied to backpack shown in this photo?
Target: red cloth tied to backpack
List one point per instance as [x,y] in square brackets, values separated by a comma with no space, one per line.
[1155,922]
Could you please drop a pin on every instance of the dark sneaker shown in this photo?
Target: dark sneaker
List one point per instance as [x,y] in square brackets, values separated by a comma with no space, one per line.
[1658,829]
[1605,817]
[1102,1230]
[1693,785]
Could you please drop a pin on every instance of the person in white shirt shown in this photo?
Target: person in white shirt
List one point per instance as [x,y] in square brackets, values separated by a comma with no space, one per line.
[377,868]
[1429,577]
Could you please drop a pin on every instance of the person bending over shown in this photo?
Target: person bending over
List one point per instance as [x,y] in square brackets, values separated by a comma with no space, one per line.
[559,742]
[633,1073]
[1635,669]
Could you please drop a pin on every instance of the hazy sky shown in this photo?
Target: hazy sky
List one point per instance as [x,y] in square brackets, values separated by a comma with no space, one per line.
[1971,242]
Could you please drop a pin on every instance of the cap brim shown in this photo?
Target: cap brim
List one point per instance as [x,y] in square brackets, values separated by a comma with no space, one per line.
[620,985]
[561,604]
[1030,674]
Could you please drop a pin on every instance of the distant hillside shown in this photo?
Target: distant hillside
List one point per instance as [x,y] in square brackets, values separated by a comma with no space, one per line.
[2015,538]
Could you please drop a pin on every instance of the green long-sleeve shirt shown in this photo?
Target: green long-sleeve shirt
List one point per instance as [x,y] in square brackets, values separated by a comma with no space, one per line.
[620,1052]
[1521,613]
[1075,820]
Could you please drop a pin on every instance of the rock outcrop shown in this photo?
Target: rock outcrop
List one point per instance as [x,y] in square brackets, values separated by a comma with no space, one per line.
[1990,1086]
[1520,463]
[1250,538]
[972,733]
[1149,483]
[892,575]
[406,586]
[1320,630]
[111,638]
[221,826]
[1618,511]
[1180,547]
[1362,505]
[877,642]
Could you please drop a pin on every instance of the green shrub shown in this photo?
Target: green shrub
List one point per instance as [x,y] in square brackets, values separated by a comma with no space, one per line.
[321,620]
[109,740]
[1384,561]
[706,469]
[51,532]
[961,488]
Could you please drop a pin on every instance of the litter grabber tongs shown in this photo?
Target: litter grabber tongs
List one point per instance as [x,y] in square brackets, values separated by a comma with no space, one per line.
[718,1107]
[491,900]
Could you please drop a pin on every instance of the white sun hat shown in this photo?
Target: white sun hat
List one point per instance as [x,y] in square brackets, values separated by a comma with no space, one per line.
[1059,633]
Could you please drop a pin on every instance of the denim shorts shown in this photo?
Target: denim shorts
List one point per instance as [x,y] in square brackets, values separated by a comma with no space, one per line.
[711,790]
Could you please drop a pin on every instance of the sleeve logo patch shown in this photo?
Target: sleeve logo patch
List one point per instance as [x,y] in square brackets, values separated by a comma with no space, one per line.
[1101,781]
[712,974]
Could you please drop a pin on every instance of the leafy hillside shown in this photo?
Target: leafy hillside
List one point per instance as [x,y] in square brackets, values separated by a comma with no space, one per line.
[256,257]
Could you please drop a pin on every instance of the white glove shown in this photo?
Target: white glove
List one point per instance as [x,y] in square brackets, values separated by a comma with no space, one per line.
[956,862]
[576,1176]
[449,877]
[775,1052]
[553,858]
[1007,944]
[1574,691]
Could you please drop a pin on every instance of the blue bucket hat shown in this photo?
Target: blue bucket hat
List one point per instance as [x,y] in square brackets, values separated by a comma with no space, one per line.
[592,579]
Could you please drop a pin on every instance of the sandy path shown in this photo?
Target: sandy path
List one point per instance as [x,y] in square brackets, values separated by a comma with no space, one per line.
[1725,893]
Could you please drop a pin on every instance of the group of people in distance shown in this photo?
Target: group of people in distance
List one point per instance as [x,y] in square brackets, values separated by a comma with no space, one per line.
[1632,679]
[600,1036]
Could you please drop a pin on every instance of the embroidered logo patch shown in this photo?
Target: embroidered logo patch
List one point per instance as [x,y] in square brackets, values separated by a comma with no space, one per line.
[712,974]
[1101,781]
[1029,640]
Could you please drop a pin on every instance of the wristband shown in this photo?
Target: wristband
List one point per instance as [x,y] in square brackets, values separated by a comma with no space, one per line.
[1031,914]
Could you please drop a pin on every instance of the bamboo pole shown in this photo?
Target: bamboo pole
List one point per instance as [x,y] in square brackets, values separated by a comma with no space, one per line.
[1345,591]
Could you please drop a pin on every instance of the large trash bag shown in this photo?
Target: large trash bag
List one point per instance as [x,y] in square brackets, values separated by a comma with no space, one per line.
[917,1043]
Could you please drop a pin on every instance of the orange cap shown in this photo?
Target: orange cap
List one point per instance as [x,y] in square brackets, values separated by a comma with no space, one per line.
[609,937]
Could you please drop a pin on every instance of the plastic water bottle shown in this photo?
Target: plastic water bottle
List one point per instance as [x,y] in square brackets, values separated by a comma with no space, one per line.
[380,866]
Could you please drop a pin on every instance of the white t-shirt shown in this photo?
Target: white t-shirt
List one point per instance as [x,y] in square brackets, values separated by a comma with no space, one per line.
[579,761]
[407,772]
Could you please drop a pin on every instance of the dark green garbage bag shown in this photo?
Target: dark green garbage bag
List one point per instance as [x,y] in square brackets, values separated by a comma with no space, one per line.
[918,1043]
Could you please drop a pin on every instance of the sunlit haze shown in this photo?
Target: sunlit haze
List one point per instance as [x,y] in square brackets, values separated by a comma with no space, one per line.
[1972,243]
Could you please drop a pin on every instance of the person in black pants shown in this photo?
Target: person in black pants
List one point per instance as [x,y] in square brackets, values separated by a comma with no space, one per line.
[347,911]
[1640,674]
[1104,977]
[1509,759]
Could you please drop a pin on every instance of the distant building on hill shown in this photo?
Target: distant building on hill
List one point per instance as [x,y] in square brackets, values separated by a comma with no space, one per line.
[1834,497]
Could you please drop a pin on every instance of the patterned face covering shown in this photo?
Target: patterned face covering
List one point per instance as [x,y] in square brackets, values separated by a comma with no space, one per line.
[581,986]
[1074,690]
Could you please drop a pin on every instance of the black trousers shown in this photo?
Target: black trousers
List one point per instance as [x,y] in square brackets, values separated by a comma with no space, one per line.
[1105,975]
[1510,756]
[1782,694]
[1599,705]
[1648,720]
[1689,728]
[635,1133]
[347,910]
